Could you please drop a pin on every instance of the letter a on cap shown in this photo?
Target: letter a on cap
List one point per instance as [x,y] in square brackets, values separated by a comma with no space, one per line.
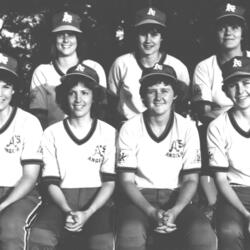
[80,68]
[3,59]
[67,18]
[151,12]
[237,63]
[230,8]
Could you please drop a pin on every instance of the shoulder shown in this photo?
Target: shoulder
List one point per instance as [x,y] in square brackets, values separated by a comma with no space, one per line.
[125,59]
[93,64]
[219,123]
[173,61]
[208,62]
[184,122]
[27,116]
[44,68]
[133,125]
[105,127]
[248,53]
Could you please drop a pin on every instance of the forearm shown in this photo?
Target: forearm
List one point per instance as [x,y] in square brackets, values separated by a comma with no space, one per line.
[102,197]
[137,198]
[186,193]
[23,187]
[58,197]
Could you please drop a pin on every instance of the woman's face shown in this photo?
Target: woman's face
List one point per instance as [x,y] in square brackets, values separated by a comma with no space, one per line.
[229,35]
[66,43]
[80,100]
[149,39]
[6,93]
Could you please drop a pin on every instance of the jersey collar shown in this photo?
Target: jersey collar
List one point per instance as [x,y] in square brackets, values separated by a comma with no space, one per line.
[10,119]
[74,138]
[236,126]
[165,133]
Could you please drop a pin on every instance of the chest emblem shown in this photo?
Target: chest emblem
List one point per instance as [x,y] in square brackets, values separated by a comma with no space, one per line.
[14,145]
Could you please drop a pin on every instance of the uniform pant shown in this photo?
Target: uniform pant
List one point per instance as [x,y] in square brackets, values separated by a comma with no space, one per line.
[231,226]
[48,232]
[15,220]
[135,230]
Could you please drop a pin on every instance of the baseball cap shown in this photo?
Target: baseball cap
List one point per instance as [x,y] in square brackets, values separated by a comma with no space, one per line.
[8,65]
[83,71]
[237,66]
[66,20]
[230,10]
[150,15]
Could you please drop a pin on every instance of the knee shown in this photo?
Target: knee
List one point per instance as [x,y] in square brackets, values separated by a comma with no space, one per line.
[131,235]
[230,232]
[40,238]
[102,242]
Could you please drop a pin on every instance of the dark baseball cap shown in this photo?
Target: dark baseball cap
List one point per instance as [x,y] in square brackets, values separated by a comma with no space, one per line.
[66,21]
[237,66]
[8,65]
[150,15]
[83,71]
[230,10]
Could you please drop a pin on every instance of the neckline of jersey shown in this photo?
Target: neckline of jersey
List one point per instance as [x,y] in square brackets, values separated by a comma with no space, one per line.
[10,119]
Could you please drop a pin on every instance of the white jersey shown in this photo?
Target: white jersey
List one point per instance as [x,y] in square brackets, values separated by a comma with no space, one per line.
[228,147]
[124,77]
[42,90]
[157,162]
[76,163]
[20,140]
[207,83]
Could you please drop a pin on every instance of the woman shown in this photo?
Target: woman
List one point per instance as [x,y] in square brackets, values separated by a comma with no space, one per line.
[67,39]
[228,144]
[124,75]
[78,175]
[208,98]
[20,161]
[158,165]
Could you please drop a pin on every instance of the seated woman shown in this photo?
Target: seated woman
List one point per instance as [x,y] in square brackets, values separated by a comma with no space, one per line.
[20,161]
[228,144]
[158,165]
[78,175]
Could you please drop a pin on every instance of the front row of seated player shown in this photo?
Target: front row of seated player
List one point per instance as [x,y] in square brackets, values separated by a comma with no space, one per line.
[158,163]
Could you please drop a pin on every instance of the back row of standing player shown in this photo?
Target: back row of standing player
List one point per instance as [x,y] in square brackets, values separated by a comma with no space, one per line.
[124,82]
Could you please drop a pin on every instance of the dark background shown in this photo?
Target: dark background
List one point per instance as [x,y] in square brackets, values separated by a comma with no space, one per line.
[190,29]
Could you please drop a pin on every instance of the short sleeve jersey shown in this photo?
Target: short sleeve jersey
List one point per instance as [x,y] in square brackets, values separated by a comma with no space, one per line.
[207,82]
[20,140]
[158,161]
[42,90]
[124,77]
[79,163]
[228,147]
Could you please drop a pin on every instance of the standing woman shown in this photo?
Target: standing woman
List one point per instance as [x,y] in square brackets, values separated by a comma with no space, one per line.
[78,175]
[126,71]
[20,161]
[228,144]
[67,39]
[208,98]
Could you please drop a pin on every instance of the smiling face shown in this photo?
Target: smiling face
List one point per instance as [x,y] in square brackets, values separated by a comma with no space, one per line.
[6,93]
[159,98]
[229,34]
[238,90]
[66,43]
[149,39]
[80,100]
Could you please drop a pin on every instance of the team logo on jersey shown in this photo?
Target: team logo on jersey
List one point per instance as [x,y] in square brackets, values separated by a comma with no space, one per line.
[14,145]
[211,152]
[122,157]
[67,18]
[197,158]
[176,149]
[230,8]
[98,154]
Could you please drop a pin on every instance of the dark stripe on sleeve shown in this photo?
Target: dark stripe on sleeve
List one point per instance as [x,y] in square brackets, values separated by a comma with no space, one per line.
[32,161]
[218,169]
[125,169]
[108,177]
[190,171]
[51,180]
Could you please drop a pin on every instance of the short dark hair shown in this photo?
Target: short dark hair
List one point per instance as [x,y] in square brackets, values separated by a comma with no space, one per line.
[62,91]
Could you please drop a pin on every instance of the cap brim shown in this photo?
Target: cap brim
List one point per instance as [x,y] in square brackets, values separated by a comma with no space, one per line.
[230,15]
[66,28]
[7,70]
[238,73]
[148,76]
[80,75]
[149,21]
